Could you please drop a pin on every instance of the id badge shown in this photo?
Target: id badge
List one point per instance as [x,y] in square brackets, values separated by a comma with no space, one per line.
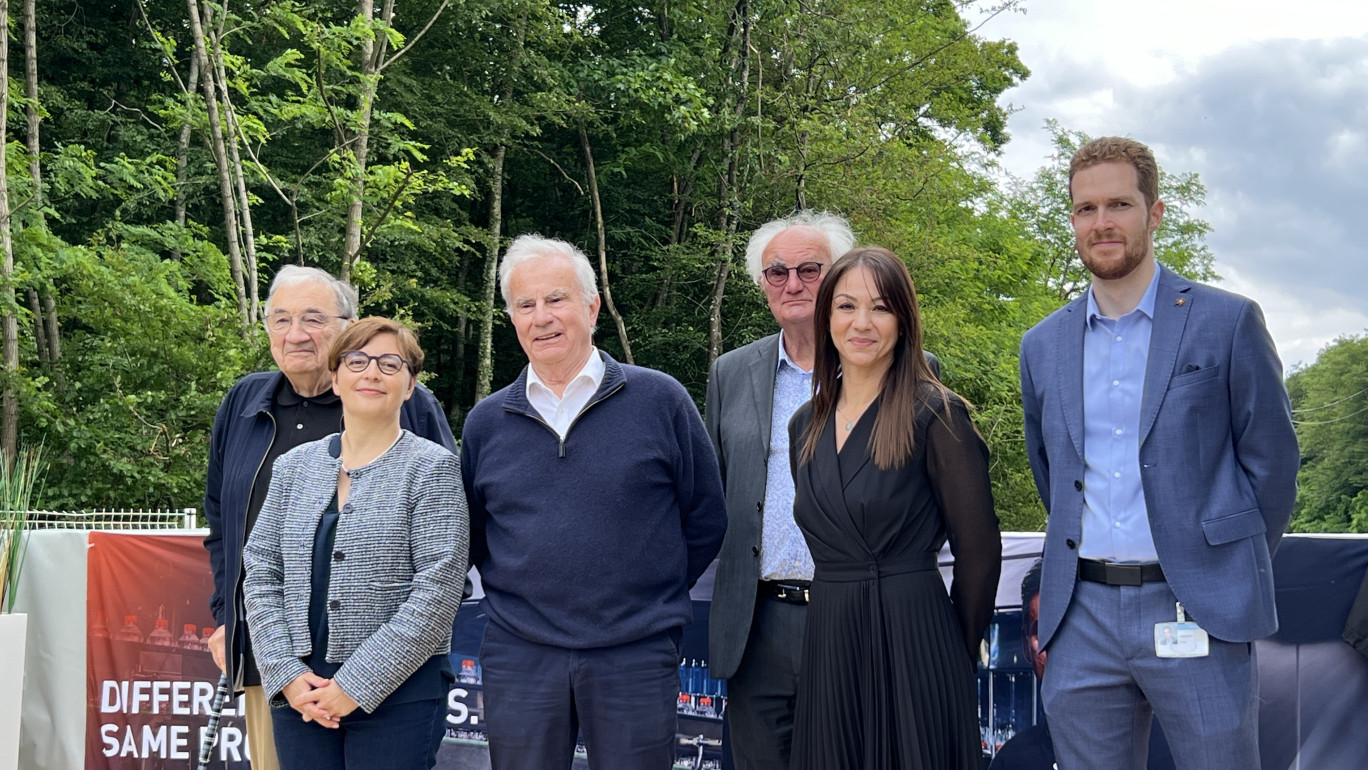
[1181,639]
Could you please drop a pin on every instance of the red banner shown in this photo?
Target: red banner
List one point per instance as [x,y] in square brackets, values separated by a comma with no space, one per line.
[150,679]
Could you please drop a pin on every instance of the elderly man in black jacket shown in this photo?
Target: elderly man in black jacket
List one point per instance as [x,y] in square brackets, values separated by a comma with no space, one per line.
[263,416]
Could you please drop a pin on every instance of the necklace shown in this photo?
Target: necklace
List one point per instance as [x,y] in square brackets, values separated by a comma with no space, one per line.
[849,424]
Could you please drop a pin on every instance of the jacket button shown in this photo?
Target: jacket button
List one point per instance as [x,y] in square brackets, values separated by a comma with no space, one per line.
[1070,544]
[335,604]
[1078,485]
[339,555]
[755,550]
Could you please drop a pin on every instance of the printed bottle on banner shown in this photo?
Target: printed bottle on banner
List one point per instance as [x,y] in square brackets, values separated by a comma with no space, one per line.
[161,634]
[189,639]
[130,631]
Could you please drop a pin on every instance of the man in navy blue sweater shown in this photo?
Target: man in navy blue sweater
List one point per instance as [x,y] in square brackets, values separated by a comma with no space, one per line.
[595,504]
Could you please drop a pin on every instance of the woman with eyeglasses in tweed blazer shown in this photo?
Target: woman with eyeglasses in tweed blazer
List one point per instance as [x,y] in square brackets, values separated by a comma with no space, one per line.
[355,570]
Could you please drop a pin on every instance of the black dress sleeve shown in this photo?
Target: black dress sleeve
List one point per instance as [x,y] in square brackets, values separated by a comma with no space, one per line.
[957,466]
[797,429]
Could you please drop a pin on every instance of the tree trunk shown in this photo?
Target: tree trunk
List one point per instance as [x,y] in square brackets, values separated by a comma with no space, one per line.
[31,89]
[226,196]
[183,149]
[372,53]
[54,331]
[9,328]
[244,202]
[39,331]
[485,368]
[728,182]
[484,372]
[603,245]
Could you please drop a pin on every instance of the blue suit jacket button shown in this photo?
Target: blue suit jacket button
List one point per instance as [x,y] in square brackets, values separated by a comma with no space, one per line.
[1078,484]
[1071,544]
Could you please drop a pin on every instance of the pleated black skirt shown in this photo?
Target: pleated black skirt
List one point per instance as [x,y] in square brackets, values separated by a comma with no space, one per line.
[886,682]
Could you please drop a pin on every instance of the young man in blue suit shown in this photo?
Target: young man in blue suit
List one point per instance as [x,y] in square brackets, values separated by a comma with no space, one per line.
[1161,440]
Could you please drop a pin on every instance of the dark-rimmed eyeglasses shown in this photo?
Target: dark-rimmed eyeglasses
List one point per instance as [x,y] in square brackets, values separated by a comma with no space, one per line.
[311,322]
[778,275]
[357,361]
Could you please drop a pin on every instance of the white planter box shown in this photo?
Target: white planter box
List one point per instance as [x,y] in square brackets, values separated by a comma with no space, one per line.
[13,641]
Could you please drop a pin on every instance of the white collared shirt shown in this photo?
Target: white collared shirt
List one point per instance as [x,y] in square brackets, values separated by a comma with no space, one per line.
[559,412]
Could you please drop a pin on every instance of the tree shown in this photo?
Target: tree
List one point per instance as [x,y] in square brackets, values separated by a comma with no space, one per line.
[1330,409]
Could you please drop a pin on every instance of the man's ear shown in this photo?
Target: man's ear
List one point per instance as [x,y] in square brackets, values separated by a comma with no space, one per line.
[1156,215]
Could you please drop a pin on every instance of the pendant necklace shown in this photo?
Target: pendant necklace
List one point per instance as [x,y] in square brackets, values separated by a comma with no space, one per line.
[849,424]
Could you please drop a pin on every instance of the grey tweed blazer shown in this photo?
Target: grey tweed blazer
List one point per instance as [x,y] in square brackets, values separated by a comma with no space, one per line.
[401,549]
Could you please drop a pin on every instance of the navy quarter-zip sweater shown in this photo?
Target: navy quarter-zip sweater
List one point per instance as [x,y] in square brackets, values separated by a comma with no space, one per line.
[594,540]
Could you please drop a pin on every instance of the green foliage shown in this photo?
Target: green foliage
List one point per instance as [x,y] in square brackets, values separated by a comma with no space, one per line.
[1330,408]
[886,113]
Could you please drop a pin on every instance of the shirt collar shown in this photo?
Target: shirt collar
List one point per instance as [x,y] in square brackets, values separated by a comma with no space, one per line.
[1146,305]
[286,395]
[785,360]
[592,370]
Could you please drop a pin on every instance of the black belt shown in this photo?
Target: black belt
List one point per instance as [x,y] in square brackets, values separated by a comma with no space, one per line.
[790,591]
[1119,574]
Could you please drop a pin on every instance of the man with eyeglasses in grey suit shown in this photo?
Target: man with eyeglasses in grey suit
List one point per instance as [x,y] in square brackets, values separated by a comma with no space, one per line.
[759,604]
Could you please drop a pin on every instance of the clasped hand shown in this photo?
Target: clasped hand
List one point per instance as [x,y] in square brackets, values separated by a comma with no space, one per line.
[318,700]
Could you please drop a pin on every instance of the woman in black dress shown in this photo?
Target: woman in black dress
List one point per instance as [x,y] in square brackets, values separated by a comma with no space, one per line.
[887,466]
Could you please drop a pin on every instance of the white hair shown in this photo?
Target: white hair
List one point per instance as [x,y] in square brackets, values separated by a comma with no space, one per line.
[840,238]
[526,248]
[294,275]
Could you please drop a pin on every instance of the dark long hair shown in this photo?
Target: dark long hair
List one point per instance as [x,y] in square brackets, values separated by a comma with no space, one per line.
[907,382]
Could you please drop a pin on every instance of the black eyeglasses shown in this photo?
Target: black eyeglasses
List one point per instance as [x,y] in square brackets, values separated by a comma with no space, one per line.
[311,322]
[778,275]
[358,361]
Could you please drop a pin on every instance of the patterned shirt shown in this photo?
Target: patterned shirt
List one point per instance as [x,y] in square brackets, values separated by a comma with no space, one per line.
[783,551]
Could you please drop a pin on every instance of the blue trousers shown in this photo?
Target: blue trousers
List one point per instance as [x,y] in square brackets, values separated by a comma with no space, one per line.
[402,736]
[1104,686]
[538,698]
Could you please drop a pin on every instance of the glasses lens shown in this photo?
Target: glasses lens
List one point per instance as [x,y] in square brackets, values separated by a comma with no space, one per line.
[390,363]
[278,322]
[356,361]
[313,321]
[809,271]
[777,275]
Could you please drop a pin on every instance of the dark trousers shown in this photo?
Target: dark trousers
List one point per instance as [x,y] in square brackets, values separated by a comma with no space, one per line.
[762,693]
[403,736]
[538,698]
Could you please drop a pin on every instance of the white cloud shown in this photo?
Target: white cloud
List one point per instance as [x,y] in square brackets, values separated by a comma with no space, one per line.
[1268,107]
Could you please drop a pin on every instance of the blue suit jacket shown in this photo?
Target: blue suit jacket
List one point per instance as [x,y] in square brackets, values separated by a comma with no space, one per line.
[1218,455]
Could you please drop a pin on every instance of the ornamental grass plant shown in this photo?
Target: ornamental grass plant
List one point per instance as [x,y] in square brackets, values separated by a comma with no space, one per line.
[19,485]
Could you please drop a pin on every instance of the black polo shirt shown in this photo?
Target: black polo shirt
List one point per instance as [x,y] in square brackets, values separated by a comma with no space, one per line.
[298,420]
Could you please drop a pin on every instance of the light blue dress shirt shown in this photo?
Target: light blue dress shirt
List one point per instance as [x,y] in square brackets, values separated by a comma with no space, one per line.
[1115,353]
[783,551]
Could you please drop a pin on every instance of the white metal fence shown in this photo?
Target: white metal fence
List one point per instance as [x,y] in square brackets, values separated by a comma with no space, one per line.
[178,518]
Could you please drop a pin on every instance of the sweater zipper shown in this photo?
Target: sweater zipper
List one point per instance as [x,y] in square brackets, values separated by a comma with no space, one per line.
[559,438]
[586,408]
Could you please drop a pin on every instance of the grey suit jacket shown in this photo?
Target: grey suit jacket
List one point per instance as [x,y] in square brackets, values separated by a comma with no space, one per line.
[739,407]
[1218,455]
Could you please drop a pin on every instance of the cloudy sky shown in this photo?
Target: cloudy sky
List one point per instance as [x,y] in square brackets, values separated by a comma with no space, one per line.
[1267,101]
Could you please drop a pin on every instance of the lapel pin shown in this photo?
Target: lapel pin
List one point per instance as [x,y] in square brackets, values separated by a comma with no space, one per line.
[1181,301]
